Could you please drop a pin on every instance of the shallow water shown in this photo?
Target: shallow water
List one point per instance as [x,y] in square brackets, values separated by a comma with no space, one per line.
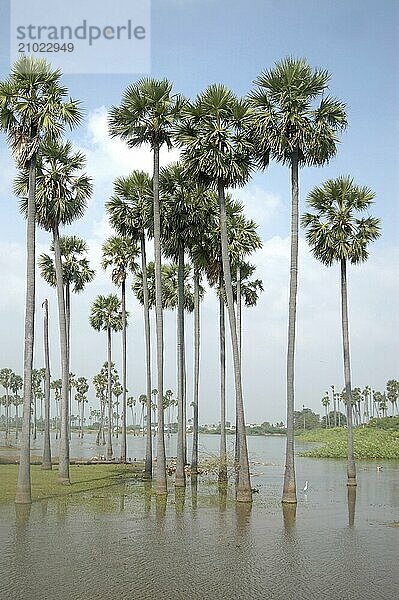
[122,543]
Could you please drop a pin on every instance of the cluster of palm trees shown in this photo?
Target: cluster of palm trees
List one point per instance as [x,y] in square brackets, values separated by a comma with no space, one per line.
[187,209]
[366,404]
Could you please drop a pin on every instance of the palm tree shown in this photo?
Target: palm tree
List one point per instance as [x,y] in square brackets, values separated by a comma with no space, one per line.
[100,383]
[326,403]
[82,387]
[6,378]
[297,132]
[393,394]
[106,315]
[46,462]
[76,272]
[62,192]
[130,213]
[335,234]
[120,253]
[216,150]
[33,106]
[146,116]
[16,386]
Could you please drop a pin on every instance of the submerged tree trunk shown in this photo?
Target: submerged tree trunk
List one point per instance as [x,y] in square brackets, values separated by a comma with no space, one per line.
[197,325]
[289,489]
[238,293]
[351,469]
[161,484]
[180,478]
[244,492]
[46,462]
[124,382]
[222,353]
[147,333]
[63,470]
[23,491]
[109,398]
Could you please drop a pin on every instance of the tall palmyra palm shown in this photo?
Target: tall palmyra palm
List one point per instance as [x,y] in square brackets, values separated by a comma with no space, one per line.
[33,107]
[120,254]
[46,461]
[336,234]
[16,386]
[393,394]
[297,129]
[106,315]
[216,151]
[145,116]
[62,191]
[130,211]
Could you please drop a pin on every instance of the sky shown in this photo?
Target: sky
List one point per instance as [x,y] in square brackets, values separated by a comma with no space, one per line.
[195,43]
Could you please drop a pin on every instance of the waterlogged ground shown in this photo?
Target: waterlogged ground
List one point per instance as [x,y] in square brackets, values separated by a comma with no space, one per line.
[120,542]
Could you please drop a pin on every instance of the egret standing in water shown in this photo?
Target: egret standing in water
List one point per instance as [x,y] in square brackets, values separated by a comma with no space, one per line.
[305,489]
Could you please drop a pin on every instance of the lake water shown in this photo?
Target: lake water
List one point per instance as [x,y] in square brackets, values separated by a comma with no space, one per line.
[120,542]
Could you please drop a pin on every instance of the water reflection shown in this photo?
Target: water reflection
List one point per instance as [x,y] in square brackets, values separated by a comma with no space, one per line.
[194,492]
[147,496]
[180,498]
[243,516]
[289,517]
[160,507]
[222,487]
[351,505]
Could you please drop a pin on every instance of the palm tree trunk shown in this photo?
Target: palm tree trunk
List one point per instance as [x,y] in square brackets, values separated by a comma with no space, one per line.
[124,440]
[180,479]
[197,325]
[68,345]
[238,293]
[147,334]
[222,349]
[351,469]
[16,419]
[46,462]
[289,489]
[109,397]
[63,470]
[23,491]
[161,485]
[244,492]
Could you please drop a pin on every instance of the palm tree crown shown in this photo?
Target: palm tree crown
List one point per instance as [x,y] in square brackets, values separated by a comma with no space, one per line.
[334,232]
[106,313]
[288,120]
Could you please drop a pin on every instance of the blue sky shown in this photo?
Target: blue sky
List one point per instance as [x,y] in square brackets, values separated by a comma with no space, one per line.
[198,42]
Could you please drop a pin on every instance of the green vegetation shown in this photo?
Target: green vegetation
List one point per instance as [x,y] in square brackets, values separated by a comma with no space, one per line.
[84,478]
[370,442]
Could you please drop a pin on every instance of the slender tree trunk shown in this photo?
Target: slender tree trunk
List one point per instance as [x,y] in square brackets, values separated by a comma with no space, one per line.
[68,344]
[23,491]
[7,416]
[161,484]
[238,293]
[289,489]
[351,469]
[16,419]
[46,462]
[109,398]
[197,325]
[335,409]
[63,470]
[244,492]
[180,478]
[124,382]
[222,350]
[147,334]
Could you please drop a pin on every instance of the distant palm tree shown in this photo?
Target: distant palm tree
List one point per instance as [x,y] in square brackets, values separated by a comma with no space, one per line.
[16,386]
[6,379]
[393,394]
[33,107]
[335,234]
[82,387]
[106,315]
[146,115]
[120,253]
[297,132]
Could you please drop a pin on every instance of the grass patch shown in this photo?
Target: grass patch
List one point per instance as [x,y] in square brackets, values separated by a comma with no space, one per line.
[370,443]
[84,478]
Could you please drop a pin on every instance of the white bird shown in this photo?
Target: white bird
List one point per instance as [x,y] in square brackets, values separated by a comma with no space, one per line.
[305,489]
